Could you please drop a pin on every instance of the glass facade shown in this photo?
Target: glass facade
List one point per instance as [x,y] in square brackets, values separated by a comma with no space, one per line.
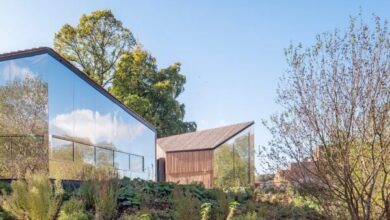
[233,162]
[53,119]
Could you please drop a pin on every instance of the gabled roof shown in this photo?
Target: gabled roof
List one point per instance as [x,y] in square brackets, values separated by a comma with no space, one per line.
[81,74]
[201,140]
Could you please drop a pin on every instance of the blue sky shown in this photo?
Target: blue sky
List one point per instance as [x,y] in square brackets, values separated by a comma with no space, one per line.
[231,51]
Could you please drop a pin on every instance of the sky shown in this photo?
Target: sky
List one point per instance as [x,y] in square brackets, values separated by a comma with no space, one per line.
[231,51]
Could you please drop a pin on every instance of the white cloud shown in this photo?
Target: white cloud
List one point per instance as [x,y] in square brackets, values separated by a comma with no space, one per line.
[95,126]
[13,71]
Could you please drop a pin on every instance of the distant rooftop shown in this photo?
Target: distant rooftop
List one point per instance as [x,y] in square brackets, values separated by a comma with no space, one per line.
[202,140]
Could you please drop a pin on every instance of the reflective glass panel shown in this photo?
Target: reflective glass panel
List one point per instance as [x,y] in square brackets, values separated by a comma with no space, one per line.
[104,157]
[61,149]
[136,163]
[122,161]
[224,166]
[84,153]
[234,161]
[84,112]
[29,153]
[5,147]
[41,97]
[5,157]
[23,116]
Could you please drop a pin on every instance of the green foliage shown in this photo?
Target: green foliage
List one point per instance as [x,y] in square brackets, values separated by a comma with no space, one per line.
[95,44]
[100,196]
[5,188]
[136,217]
[127,199]
[287,205]
[145,217]
[106,200]
[104,49]
[239,194]
[186,204]
[23,110]
[4,215]
[35,199]
[73,209]
[301,201]
[220,203]
[248,216]
[205,211]
[233,153]
[151,92]
[233,206]
[139,194]
[88,193]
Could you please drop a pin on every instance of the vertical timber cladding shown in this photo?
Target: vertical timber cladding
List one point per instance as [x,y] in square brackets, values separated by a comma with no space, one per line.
[190,166]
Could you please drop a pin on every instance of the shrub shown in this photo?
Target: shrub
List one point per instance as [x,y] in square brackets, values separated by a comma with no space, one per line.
[136,217]
[129,197]
[186,205]
[5,215]
[220,203]
[73,209]
[239,194]
[106,199]
[139,194]
[205,211]
[251,216]
[232,209]
[35,198]
[5,188]
[248,216]
[101,196]
[87,192]
[197,190]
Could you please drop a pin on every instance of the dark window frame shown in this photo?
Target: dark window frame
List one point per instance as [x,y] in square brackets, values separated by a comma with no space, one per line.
[74,142]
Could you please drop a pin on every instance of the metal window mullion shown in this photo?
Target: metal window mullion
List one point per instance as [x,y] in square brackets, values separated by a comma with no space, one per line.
[12,157]
[113,158]
[129,162]
[73,146]
[234,166]
[143,164]
[249,158]
[94,156]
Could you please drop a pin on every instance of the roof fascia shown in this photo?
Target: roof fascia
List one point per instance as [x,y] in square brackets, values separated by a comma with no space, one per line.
[217,145]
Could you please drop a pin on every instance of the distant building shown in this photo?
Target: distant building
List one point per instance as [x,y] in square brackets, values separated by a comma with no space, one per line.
[297,173]
[216,157]
[54,118]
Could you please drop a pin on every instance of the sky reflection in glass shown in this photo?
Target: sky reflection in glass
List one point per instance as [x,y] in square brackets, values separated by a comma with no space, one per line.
[79,112]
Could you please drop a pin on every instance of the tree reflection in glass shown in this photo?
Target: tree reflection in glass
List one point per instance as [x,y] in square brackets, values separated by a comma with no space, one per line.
[23,126]
[42,102]
[233,161]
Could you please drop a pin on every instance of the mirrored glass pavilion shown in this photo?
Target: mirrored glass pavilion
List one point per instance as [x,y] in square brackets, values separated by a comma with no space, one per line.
[54,117]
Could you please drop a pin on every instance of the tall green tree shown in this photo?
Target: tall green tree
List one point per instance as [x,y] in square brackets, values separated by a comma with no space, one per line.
[95,44]
[152,92]
[106,51]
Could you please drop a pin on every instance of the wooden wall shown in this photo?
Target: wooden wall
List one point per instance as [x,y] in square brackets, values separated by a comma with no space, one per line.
[190,166]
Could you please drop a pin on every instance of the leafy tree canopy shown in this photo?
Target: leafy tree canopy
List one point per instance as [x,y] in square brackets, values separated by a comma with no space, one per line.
[107,52]
[152,92]
[95,44]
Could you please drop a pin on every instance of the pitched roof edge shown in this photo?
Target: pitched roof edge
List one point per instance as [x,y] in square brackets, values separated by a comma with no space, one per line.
[250,123]
[42,50]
